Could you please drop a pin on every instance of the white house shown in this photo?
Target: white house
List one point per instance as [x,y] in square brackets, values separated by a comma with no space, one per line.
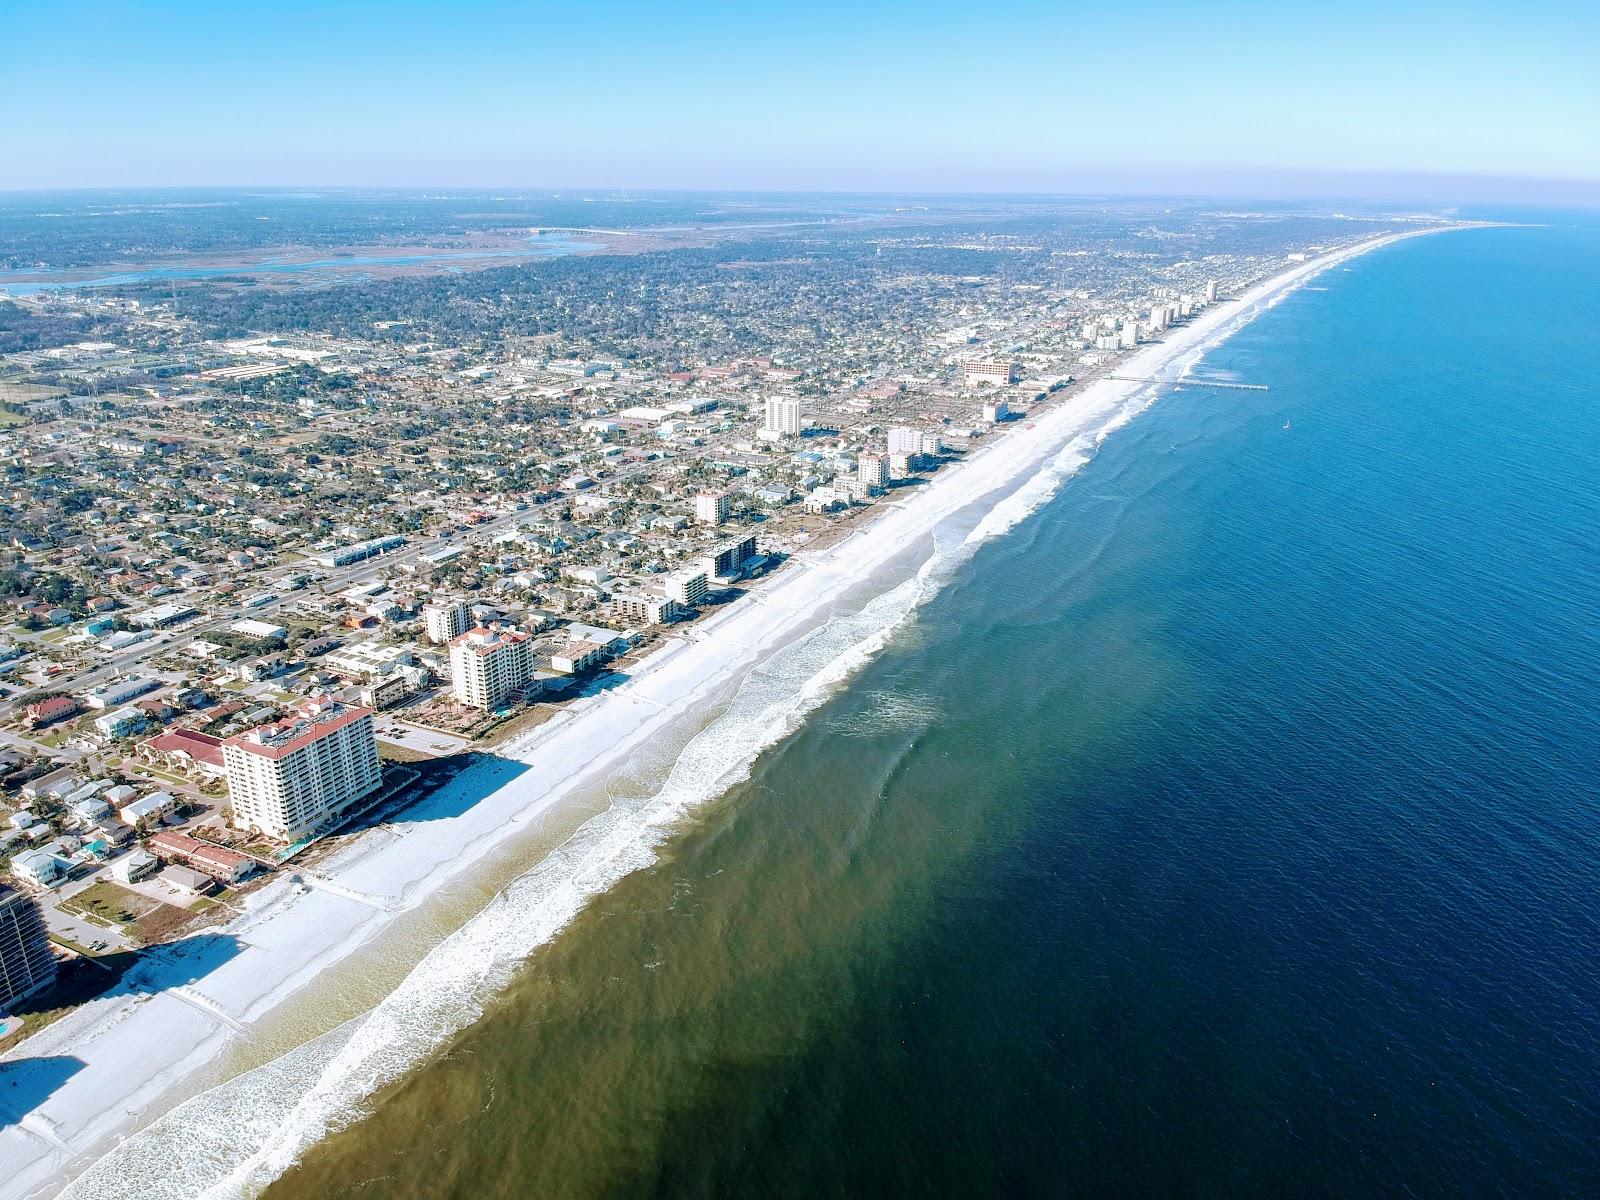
[41,867]
[151,808]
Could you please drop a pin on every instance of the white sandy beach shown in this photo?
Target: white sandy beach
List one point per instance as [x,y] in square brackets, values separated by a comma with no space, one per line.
[116,1080]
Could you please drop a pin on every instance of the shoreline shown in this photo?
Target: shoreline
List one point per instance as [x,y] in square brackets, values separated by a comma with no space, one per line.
[187,1008]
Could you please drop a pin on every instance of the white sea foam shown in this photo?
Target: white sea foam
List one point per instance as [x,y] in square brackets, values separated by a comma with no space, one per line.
[234,1139]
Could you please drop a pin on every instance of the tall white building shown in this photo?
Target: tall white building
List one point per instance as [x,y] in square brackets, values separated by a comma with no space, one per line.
[873,470]
[1211,292]
[26,962]
[783,416]
[488,665]
[712,508]
[905,441]
[298,775]
[446,620]
[688,587]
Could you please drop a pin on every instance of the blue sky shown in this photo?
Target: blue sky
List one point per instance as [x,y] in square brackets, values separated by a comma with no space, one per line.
[1006,95]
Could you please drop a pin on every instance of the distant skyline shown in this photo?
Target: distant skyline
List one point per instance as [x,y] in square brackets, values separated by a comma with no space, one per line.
[1469,101]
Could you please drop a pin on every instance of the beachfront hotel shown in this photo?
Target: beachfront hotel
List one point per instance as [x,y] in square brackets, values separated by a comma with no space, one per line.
[26,964]
[292,778]
[488,666]
[1000,371]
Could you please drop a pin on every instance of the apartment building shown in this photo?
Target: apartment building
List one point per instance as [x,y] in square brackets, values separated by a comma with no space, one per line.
[872,471]
[298,775]
[487,666]
[26,964]
[445,620]
[782,416]
[729,561]
[712,508]
[643,609]
[689,587]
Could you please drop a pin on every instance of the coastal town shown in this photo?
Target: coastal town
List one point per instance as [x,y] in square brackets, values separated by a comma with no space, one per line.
[266,587]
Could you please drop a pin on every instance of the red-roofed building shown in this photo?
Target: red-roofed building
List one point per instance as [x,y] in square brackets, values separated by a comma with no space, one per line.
[57,708]
[216,861]
[300,775]
[185,750]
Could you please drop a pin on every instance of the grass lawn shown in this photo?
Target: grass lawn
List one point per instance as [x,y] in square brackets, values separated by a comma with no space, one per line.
[147,769]
[110,902]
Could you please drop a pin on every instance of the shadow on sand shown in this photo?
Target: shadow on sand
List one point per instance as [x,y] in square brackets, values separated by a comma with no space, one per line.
[28,1083]
[443,788]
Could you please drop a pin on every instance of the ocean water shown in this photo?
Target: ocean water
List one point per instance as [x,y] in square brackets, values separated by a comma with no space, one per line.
[1229,826]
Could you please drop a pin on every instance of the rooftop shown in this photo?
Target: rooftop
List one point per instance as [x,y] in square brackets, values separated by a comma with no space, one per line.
[312,721]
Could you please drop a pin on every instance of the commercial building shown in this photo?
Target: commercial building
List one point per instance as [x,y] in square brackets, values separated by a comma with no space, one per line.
[999,371]
[576,657]
[783,416]
[1211,291]
[110,695]
[488,666]
[712,508]
[56,708]
[344,556]
[185,750]
[297,776]
[261,631]
[445,620]
[823,500]
[372,659]
[163,615]
[26,964]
